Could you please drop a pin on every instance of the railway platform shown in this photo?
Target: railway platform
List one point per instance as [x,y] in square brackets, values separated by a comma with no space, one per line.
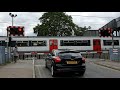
[21,69]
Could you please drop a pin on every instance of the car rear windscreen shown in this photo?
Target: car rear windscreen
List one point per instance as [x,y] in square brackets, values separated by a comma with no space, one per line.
[69,54]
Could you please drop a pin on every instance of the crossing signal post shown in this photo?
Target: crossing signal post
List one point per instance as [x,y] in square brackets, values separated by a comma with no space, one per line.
[13,31]
[8,34]
[107,32]
[8,43]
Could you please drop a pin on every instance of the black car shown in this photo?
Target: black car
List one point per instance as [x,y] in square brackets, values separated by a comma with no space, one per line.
[65,61]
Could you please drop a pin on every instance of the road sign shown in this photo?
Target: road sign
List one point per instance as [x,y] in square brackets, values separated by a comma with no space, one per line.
[114,54]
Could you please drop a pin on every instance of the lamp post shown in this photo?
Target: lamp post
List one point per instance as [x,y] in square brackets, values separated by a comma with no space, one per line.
[13,16]
[9,48]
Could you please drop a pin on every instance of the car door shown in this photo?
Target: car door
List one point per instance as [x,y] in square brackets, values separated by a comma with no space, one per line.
[96,44]
[53,44]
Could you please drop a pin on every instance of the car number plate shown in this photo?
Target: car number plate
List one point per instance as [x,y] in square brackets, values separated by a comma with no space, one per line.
[71,62]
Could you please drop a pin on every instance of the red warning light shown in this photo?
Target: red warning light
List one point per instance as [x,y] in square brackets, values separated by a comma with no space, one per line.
[109,28]
[20,29]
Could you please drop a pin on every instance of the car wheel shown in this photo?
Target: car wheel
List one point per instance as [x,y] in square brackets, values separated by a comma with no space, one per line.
[53,71]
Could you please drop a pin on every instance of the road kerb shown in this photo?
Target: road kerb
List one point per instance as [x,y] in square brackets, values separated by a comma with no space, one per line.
[107,66]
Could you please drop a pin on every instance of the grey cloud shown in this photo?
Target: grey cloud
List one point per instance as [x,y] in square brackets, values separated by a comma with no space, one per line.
[94,22]
[26,19]
[30,20]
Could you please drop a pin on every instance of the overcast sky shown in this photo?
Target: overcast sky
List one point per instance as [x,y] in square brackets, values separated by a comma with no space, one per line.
[30,20]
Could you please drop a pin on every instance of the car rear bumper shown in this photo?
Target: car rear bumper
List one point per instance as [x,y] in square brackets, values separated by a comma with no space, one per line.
[78,68]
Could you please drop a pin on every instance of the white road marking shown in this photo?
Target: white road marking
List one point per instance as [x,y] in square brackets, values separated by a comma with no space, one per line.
[33,68]
[39,72]
[39,65]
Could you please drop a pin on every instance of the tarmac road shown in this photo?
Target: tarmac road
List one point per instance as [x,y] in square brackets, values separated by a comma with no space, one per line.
[92,71]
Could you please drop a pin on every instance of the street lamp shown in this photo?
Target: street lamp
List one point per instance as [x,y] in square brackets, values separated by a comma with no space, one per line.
[9,37]
[13,16]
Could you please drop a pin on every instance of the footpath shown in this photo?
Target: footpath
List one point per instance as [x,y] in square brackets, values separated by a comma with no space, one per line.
[21,69]
[106,63]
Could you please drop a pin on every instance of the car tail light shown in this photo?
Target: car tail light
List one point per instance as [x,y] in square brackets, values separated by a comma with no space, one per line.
[83,59]
[57,59]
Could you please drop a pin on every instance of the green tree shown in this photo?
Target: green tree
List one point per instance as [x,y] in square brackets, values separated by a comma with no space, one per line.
[57,24]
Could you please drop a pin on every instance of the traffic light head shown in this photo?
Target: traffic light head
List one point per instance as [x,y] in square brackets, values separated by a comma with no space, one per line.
[105,32]
[16,30]
[20,30]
